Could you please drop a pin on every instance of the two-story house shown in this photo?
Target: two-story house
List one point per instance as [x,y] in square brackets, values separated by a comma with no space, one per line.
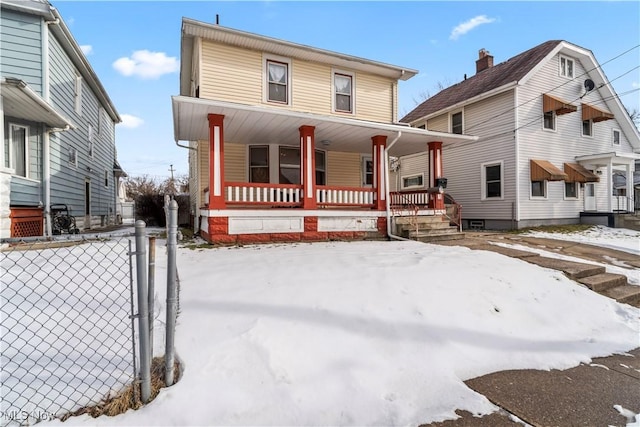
[289,142]
[552,133]
[58,126]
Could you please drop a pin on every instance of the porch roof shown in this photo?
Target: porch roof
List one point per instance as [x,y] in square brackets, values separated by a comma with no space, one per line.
[21,102]
[257,124]
[603,159]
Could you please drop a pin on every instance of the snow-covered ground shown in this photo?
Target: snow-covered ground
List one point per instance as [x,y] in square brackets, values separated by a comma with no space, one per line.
[621,239]
[365,333]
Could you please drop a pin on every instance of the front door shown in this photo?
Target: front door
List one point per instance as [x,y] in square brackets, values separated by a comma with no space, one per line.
[87,204]
[589,196]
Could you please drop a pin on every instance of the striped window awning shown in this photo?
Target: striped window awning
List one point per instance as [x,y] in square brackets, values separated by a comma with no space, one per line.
[551,103]
[578,173]
[589,112]
[543,170]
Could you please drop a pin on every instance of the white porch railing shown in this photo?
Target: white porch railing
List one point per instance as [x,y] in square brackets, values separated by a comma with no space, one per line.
[416,198]
[344,196]
[622,204]
[256,194]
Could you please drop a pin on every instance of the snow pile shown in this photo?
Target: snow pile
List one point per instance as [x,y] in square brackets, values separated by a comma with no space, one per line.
[621,239]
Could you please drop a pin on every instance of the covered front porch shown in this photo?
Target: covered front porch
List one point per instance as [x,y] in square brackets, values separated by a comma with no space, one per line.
[600,196]
[306,176]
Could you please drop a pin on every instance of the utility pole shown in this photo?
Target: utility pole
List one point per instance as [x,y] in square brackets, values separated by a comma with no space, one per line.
[171,169]
[173,184]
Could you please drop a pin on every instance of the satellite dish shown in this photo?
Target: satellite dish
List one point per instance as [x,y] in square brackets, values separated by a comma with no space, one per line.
[589,85]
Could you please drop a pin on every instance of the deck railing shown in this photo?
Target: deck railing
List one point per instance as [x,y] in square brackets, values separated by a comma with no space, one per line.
[250,193]
[409,198]
[344,196]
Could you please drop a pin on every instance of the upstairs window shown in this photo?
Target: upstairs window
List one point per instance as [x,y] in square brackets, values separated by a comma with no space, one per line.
[106,178]
[549,120]
[566,67]
[78,94]
[278,82]
[587,128]
[343,92]
[456,123]
[616,137]
[73,157]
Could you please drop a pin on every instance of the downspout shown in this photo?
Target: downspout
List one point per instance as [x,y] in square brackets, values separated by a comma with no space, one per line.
[46,143]
[386,189]
[517,155]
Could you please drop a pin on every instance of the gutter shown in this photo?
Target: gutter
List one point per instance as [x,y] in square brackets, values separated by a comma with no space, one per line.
[386,188]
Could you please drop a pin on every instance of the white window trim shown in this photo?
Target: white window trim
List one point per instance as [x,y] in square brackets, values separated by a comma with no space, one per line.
[613,131]
[74,163]
[451,114]
[409,187]
[555,122]
[106,178]
[265,78]
[78,94]
[27,150]
[483,180]
[351,74]
[546,191]
[573,68]
[364,158]
[577,187]
[582,129]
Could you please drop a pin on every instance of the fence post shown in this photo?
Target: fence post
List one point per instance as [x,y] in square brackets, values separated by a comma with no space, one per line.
[172,243]
[152,292]
[143,310]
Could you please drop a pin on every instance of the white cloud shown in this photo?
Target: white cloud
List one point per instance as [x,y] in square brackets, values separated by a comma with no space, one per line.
[635,85]
[469,25]
[130,122]
[87,49]
[146,64]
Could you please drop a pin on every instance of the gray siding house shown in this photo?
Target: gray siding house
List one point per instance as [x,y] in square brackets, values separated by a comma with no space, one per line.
[58,126]
[552,134]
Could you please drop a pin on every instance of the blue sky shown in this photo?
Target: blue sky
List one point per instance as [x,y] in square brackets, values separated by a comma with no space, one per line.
[134,48]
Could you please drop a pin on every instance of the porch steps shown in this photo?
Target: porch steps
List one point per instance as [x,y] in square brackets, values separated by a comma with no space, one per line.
[603,282]
[427,228]
[627,294]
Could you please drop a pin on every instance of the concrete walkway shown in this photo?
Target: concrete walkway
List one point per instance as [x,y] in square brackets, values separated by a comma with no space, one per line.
[605,392]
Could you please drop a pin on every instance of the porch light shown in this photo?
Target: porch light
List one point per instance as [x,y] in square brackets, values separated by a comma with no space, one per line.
[325,142]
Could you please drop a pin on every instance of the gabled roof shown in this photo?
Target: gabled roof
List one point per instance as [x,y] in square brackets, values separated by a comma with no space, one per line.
[192,29]
[510,71]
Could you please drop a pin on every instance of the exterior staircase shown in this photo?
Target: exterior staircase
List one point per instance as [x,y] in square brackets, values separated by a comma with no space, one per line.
[426,228]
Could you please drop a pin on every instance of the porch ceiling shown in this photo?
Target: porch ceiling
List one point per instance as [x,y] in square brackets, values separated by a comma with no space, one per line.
[255,124]
[21,102]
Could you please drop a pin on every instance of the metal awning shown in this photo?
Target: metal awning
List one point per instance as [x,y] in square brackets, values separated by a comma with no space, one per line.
[542,170]
[21,102]
[257,124]
[552,103]
[589,112]
[578,173]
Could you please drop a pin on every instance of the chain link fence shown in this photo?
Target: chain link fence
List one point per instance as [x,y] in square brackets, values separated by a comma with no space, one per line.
[66,328]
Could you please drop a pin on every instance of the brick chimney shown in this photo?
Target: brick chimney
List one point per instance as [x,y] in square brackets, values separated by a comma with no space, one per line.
[484,61]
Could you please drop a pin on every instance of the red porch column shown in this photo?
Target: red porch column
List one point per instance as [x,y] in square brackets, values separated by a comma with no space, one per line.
[308,166]
[379,182]
[436,200]
[216,162]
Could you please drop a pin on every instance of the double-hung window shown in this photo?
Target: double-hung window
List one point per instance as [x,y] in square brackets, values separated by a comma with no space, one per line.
[587,128]
[456,123]
[343,92]
[290,166]
[492,179]
[566,67]
[539,189]
[17,154]
[259,163]
[278,82]
[616,137]
[549,120]
[570,190]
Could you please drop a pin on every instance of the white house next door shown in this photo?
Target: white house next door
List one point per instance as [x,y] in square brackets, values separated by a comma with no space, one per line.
[589,196]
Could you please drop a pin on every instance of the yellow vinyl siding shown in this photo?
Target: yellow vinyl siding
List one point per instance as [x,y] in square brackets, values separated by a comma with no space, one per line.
[311,86]
[235,164]
[231,74]
[236,75]
[374,98]
[439,124]
[344,169]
